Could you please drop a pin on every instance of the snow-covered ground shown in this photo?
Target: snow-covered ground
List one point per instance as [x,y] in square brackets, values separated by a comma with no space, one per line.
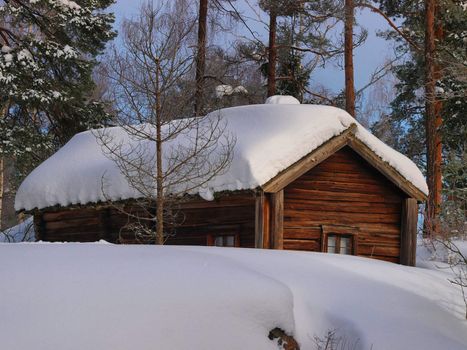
[434,254]
[104,296]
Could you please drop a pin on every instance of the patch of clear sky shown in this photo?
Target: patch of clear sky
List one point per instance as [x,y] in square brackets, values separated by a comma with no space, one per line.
[367,58]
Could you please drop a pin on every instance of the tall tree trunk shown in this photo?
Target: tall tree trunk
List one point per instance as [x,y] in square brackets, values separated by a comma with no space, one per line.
[348,58]
[272,52]
[3,112]
[2,184]
[433,120]
[201,56]
[159,173]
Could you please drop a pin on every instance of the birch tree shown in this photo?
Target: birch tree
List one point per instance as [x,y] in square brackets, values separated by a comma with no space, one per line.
[154,105]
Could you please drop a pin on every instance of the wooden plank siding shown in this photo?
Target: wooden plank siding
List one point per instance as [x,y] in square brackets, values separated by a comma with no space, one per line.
[344,190]
[231,214]
[342,194]
[409,231]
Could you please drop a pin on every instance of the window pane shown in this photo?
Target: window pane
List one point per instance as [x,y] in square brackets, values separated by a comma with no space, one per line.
[331,244]
[219,241]
[345,245]
[229,241]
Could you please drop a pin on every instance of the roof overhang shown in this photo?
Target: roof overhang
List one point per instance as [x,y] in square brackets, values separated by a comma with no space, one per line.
[346,138]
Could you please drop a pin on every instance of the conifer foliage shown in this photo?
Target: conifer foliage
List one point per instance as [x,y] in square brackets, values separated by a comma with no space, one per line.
[48,50]
[445,90]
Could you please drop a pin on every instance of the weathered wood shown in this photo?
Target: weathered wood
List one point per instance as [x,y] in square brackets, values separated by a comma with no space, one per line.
[388,171]
[409,231]
[368,207]
[372,238]
[308,162]
[351,178]
[307,232]
[106,226]
[331,147]
[383,258]
[259,220]
[326,217]
[277,219]
[343,196]
[342,207]
[68,214]
[230,214]
[218,216]
[241,199]
[378,250]
[39,226]
[340,229]
[361,188]
[64,224]
[302,244]
[343,190]
[267,221]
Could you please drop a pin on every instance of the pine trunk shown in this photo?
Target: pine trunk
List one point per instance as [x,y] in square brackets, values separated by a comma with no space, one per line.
[272,52]
[348,58]
[201,56]
[4,111]
[433,120]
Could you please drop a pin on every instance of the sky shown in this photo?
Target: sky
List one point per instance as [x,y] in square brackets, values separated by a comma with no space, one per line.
[368,57]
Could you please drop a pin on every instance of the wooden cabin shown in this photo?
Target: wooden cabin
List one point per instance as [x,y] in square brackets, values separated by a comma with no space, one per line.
[351,194]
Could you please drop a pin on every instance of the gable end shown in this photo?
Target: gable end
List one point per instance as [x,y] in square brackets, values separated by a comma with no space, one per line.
[347,138]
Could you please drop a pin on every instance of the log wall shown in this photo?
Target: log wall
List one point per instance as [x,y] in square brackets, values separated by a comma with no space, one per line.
[233,214]
[344,190]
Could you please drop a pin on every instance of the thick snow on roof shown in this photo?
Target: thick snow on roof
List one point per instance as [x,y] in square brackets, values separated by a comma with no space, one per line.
[282,100]
[124,297]
[269,138]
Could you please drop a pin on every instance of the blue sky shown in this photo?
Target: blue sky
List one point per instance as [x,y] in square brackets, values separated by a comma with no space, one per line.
[368,57]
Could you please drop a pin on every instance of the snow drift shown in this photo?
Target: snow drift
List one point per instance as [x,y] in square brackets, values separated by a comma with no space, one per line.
[115,297]
[269,139]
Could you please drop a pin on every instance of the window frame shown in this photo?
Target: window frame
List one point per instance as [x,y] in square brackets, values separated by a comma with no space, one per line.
[211,239]
[339,231]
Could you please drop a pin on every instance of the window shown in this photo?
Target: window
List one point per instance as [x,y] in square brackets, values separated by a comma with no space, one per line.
[227,240]
[339,244]
[339,239]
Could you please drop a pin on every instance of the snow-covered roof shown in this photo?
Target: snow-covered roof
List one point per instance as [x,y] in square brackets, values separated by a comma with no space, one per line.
[269,139]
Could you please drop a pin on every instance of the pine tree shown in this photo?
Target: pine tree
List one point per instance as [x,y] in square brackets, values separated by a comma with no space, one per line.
[349,19]
[201,56]
[292,74]
[48,50]
[47,56]
[443,93]
[275,9]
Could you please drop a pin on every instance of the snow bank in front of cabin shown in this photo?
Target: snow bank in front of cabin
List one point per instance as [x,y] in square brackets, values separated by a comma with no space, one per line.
[103,296]
[269,138]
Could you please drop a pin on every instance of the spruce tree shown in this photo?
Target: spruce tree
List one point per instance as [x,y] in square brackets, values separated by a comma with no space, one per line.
[48,51]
